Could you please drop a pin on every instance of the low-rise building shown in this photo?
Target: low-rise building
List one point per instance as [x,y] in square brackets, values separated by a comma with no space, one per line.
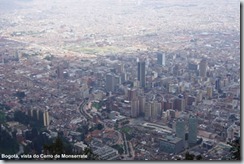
[171,144]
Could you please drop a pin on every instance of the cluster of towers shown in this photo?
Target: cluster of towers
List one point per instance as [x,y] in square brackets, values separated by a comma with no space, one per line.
[186,129]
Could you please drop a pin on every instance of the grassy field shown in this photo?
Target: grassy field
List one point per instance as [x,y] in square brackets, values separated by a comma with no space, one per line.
[126,130]
[96,105]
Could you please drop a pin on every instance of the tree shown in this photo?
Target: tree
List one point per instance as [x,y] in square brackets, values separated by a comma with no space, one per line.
[8,144]
[119,148]
[99,126]
[198,157]
[55,148]
[90,154]
[189,156]
[235,149]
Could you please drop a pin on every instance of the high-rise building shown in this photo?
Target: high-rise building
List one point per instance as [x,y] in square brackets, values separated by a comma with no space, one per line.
[217,84]
[154,110]
[148,111]
[134,108]
[159,109]
[192,129]
[142,101]
[161,59]
[179,104]
[141,73]
[46,119]
[132,94]
[110,83]
[203,68]
[180,128]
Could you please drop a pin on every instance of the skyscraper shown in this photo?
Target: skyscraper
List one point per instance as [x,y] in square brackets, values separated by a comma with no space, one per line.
[148,111]
[46,119]
[217,84]
[134,108]
[161,59]
[142,101]
[132,94]
[141,73]
[180,128]
[154,110]
[203,68]
[110,83]
[192,129]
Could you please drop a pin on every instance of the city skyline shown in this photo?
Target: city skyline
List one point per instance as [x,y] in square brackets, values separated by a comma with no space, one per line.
[120,80]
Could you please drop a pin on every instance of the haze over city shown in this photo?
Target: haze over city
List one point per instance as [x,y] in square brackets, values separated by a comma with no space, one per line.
[120,79]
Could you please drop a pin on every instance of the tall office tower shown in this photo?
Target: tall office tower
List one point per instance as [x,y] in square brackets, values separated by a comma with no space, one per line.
[142,101]
[192,129]
[132,94]
[180,128]
[110,84]
[164,60]
[154,110]
[148,111]
[141,73]
[217,84]
[161,59]
[46,119]
[134,108]
[159,109]
[203,68]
